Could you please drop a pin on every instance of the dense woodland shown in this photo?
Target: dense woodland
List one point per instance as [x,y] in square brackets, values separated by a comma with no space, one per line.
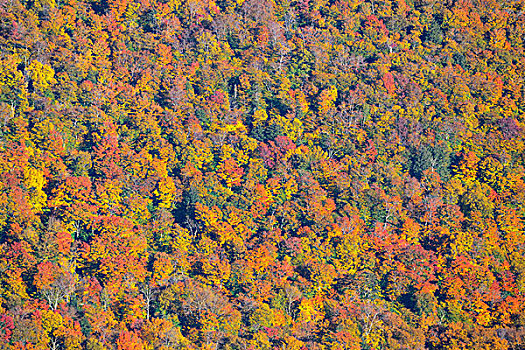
[260,174]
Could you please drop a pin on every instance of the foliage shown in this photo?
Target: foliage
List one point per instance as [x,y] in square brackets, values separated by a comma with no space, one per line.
[253,174]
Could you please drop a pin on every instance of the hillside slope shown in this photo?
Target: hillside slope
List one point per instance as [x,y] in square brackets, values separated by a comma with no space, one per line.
[254,174]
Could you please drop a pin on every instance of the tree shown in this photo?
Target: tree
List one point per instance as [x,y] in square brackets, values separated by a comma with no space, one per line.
[54,284]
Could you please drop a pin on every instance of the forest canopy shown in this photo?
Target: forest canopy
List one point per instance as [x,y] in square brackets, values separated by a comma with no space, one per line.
[260,174]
